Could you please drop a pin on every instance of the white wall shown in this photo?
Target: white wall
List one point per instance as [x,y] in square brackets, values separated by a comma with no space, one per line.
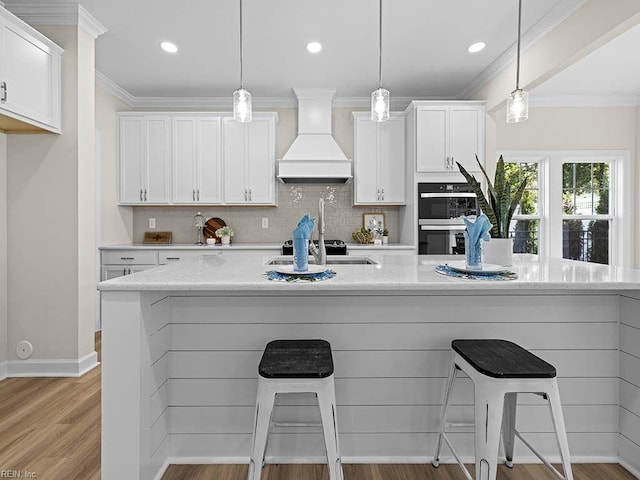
[116,222]
[51,218]
[576,128]
[3,253]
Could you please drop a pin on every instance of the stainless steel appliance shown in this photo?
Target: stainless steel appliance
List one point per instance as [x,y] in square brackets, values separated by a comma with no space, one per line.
[333,247]
[440,210]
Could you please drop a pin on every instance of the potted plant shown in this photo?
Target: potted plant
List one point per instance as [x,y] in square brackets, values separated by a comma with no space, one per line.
[385,236]
[225,234]
[499,208]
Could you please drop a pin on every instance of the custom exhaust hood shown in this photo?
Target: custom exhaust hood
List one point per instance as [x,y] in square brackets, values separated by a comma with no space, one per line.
[314,156]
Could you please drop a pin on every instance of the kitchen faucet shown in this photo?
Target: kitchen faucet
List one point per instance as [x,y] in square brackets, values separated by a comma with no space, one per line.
[320,252]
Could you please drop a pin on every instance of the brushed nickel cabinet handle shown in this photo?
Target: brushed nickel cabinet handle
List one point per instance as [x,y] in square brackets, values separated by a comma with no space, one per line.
[173,258]
[382,193]
[126,258]
[198,194]
[145,194]
[249,194]
[140,194]
[193,195]
[3,87]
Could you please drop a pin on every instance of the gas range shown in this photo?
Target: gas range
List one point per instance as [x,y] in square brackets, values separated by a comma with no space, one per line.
[333,247]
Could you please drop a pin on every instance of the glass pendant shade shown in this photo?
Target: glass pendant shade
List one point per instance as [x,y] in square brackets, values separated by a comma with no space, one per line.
[242,106]
[380,105]
[517,106]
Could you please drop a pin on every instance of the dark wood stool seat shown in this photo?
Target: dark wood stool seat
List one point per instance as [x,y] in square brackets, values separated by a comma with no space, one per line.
[296,359]
[502,359]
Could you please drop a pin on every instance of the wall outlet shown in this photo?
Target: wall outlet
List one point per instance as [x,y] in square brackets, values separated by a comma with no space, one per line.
[265,222]
[152,223]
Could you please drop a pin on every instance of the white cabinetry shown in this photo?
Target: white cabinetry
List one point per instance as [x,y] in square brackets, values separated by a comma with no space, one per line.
[29,77]
[379,160]
[447,133]
[145,149]
[197,166]
[249,156]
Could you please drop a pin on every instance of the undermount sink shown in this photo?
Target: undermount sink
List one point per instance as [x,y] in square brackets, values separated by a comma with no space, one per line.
[331,260]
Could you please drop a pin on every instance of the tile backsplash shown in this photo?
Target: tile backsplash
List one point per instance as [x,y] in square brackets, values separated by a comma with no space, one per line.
[341,217]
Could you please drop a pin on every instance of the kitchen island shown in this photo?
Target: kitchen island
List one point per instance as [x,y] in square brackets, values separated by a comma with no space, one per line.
[181,345]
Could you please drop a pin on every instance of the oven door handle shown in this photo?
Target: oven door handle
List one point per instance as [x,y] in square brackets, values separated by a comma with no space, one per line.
[447,195]
[442,227]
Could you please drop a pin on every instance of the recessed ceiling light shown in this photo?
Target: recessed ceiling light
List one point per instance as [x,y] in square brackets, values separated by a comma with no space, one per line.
[314,47]
[168,47]
[477,47]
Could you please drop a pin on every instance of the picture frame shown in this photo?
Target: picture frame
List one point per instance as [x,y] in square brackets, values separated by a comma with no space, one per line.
[375,218]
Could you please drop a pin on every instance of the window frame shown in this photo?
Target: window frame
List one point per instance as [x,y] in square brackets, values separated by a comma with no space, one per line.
[620,215]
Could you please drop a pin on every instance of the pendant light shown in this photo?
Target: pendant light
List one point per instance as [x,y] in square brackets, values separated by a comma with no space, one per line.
[518,100]
[241,97]
[380,97]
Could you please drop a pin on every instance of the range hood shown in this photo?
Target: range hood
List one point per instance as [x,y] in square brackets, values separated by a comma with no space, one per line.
[314,156]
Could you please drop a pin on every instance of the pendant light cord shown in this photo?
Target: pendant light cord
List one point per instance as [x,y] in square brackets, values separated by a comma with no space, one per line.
[380,47]
[241,47]
[518,56]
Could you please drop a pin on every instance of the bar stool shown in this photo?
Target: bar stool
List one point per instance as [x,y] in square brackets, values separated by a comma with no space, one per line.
[500,370]
[296,366]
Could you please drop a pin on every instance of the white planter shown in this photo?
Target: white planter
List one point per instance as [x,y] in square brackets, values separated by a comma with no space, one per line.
[226,239]
[385,239]
[498,251]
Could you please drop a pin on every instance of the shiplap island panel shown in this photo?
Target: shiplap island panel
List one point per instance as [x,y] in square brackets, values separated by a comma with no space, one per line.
[196,330]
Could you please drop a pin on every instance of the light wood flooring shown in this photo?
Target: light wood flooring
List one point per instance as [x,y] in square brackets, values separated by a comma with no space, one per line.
[51,427]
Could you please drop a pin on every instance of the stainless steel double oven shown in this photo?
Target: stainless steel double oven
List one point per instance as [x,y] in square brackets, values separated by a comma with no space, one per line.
[440,210]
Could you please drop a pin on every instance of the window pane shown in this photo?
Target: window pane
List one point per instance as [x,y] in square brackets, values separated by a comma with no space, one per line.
[515,174]
[585,188]
[526,235]
[586,240]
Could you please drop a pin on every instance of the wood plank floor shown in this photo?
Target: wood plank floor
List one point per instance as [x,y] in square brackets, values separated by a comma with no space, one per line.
[51,427]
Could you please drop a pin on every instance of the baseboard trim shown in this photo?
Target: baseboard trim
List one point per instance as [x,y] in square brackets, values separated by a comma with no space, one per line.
[632,470]
[3,370]
[358,460]
[163,469]
[53,368]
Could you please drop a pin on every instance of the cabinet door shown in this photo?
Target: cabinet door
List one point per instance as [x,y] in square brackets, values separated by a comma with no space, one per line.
[392,160]
[234,158]
[366,148]
[184,159]
[209,175]
[157,159]
[432,139]
[131,159]
[465,137]
[261,160]
[31,72]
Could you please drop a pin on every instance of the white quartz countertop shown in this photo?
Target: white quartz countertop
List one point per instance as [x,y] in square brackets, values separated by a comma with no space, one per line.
[399,274]
[192,246]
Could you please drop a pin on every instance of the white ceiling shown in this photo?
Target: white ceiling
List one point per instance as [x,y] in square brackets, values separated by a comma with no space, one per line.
[425,44]
[612,70]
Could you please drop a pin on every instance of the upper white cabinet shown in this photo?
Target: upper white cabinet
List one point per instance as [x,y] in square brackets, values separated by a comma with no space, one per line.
[145,159]
[249,155]
[379,160]
[30,76]
[446,133]
[196,160]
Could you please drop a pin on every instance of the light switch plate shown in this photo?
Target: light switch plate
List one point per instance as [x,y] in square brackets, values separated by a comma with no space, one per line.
[265,222]
[152,223]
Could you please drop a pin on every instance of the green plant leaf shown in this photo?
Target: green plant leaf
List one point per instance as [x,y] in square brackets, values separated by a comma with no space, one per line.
[492,191]
[486,208]
[517,198]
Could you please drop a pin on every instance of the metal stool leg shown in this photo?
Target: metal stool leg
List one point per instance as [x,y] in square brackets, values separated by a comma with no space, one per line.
[264,408]
[489,404]
[327,404]
[445,408]
[561,431]
[509,426]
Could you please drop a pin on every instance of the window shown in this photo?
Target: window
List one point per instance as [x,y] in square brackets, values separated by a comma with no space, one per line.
[577,204]
[586,219]
[525,225]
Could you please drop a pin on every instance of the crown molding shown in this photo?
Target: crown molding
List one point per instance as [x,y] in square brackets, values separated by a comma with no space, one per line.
[57,14]
[551,20]
[114,89]
[584,101]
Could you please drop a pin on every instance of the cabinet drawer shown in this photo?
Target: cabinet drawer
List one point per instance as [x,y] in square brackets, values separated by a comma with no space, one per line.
[174,256]
[128,257]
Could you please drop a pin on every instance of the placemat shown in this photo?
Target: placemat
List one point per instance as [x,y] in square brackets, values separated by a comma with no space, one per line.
[449,272]
[285,277]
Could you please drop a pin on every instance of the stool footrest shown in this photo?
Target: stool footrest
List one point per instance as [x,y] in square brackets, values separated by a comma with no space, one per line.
[297,424]
[539,455]
[460,424]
